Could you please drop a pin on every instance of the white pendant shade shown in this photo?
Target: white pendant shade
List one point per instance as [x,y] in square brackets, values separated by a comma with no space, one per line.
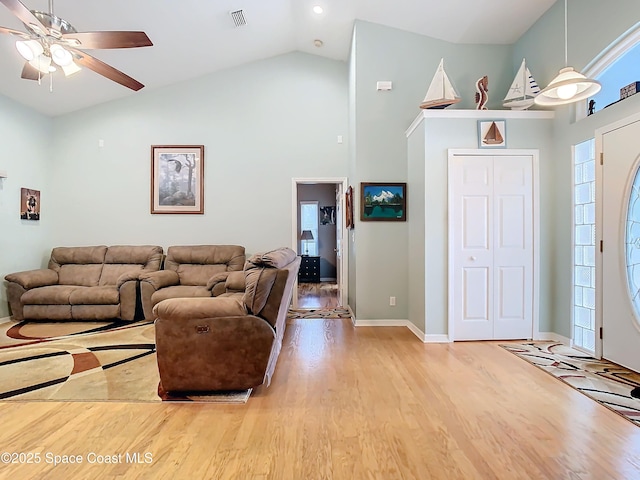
[29,49]
[60,55]
[568,86]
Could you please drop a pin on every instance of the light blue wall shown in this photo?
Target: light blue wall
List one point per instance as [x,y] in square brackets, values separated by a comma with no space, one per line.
[593,26]
[381,119]
[261,124]
[27,159]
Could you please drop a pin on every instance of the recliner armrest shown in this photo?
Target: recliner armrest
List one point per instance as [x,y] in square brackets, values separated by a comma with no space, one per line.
[217,279]
[127,277]
[160,279]
[199,307]
[33,278]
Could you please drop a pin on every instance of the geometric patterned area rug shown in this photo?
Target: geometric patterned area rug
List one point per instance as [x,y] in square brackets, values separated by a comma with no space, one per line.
[319,313]
[611,385]
[87,361]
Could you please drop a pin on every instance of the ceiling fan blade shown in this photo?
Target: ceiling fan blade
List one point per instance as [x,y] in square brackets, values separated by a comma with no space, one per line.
[13,32]
[98,66]
[29,72]
[24,14]
[109,39]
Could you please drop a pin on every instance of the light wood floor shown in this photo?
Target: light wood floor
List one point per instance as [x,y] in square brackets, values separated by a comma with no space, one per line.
[318,295]
[347,403]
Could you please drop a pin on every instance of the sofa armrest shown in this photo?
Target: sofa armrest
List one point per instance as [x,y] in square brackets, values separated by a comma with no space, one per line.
[217,279]
[199,307]
[236,282]
[127,277]
[160,279]
[33,278]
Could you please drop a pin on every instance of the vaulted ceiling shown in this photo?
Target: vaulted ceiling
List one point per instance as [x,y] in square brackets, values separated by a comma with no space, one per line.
[195,37]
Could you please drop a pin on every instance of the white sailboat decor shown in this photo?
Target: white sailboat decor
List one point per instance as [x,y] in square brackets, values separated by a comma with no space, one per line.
[441,93]
[523,90]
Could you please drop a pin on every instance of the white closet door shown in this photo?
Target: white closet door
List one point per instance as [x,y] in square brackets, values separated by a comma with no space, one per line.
[491,247]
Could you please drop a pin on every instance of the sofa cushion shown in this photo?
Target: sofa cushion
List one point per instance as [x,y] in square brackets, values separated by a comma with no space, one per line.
[103,295]
[78,265]
[196,264]
[131,260]
[50,295]
[180,291]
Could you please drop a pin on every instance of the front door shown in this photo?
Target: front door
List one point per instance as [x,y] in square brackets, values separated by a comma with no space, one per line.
[621,246]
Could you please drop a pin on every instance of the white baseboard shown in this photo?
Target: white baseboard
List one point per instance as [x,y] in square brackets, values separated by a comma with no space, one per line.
[403,323]
[4,319]
[554,337]
[437,338]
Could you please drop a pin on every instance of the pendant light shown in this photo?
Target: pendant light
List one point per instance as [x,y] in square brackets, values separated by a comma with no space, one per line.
[569,85]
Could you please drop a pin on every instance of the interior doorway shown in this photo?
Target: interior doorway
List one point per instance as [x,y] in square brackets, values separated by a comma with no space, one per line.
[317,235]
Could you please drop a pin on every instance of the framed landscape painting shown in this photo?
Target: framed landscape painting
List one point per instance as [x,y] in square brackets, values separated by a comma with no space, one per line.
[386,202]
[177,179]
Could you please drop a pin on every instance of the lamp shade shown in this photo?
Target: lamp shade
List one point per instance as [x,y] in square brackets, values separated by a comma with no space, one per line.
[306,235]
[29,49]
[567,87]
[60,55]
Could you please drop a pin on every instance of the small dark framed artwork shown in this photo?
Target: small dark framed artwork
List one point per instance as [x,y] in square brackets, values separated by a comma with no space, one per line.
[328,215]
[349,206]
[385,202]
[29,204]
[492,133]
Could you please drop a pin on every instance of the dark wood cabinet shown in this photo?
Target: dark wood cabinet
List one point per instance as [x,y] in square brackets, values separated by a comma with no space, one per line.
[309,269]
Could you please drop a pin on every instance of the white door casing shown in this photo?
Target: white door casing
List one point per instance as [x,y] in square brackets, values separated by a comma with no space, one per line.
[492,245]
[342,270]
[617,317]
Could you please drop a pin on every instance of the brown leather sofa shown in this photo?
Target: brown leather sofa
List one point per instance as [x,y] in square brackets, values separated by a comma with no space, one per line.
[83,283]
[232,341]
[190,271]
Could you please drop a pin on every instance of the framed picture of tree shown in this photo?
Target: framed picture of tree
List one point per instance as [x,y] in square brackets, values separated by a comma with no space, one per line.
[384,202]
[177,179]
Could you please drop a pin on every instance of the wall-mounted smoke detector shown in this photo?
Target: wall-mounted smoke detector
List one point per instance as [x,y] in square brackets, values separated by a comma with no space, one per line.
[318,43]
[238,18]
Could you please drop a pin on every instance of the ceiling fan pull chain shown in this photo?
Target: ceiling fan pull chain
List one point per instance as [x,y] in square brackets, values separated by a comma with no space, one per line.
[50,83]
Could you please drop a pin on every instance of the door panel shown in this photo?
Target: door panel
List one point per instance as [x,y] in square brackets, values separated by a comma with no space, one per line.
[621,328]
[491,247]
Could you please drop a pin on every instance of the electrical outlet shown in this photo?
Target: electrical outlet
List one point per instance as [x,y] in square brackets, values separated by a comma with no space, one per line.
[392,301]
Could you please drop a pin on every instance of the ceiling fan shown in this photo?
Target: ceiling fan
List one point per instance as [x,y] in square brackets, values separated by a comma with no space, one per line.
[51,41]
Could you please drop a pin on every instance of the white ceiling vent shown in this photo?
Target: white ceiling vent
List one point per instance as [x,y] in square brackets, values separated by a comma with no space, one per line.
[238,18]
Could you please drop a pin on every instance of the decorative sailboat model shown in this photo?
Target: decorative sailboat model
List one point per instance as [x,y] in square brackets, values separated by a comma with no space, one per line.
[523,90]
[441,93]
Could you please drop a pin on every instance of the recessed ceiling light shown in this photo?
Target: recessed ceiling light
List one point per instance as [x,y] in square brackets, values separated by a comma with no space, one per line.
[318,43]
[318,9]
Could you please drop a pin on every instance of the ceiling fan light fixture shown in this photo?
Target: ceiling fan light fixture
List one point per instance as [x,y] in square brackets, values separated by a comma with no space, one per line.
[567,87]
[29,49]
[70,69]
[60,55]
[41,63]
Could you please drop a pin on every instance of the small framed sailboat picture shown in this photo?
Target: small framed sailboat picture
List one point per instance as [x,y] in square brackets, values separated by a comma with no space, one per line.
[492,133]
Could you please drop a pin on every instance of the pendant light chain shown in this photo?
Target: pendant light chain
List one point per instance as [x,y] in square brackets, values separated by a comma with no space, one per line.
[566,34]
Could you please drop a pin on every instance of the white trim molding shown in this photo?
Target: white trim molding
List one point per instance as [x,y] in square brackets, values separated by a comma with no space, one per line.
[479,114]
[424,338]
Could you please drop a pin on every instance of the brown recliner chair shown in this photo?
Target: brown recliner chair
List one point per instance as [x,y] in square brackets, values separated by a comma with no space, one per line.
[229,342]
[190,271]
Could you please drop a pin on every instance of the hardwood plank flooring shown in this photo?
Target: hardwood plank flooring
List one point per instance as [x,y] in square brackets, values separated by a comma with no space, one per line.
[318,295]
[345,403]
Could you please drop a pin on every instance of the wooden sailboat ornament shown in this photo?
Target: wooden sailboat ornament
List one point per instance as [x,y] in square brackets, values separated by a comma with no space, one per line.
[441,93]
[523,90]
[493,136]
